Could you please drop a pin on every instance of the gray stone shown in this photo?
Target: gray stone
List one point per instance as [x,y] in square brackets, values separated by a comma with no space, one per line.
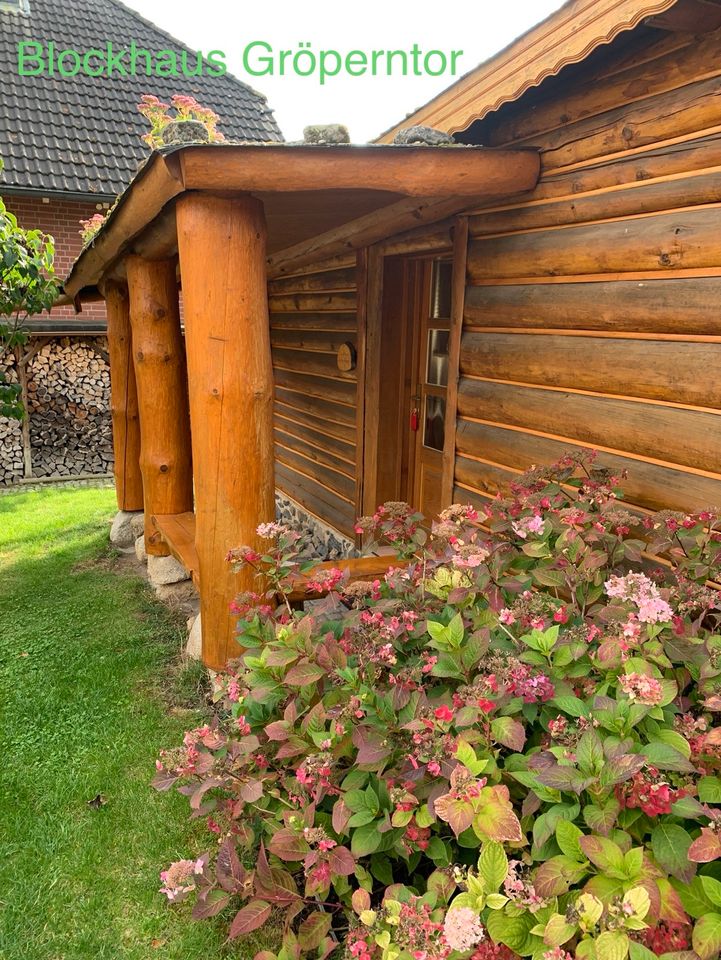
[121,531]
[194,646]
[325,542]
[165,570]
[184,131]
[140,551]
[326,133]
[137,524]
[423,135]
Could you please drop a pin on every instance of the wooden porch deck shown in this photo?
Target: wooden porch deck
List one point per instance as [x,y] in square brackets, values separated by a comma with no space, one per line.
[178,532]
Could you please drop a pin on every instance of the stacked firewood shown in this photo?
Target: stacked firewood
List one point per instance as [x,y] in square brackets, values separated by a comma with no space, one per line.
[69,410]
[11,438]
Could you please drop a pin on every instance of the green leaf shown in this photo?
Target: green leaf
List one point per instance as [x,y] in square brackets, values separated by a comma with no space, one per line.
[712,889]
[612,945]
[493,864]
[589,752]
[637,951]
[670,844]
[666,758]
[438,852]
[371,798]
[366,840]
[558,931]
[456,631]
[694,898]
[706,938]
[602,819]
[603,853]
[513,931]
[567,837]
[709,790]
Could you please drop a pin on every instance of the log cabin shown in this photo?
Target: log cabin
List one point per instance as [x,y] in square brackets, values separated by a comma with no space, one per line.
[385,322]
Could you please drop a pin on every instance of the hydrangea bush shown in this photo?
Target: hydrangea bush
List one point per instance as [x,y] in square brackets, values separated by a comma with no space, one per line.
[507,747]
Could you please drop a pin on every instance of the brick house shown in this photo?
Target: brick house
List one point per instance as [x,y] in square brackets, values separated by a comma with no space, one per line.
[70,145]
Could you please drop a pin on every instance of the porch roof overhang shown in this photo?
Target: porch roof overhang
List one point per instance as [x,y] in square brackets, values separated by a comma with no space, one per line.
[320,201]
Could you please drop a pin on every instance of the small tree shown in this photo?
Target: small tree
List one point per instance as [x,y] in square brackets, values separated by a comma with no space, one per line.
[26,288]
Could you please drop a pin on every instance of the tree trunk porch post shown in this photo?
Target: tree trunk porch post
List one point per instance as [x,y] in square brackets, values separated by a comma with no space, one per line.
[160,374]
[123,401]
[222,247]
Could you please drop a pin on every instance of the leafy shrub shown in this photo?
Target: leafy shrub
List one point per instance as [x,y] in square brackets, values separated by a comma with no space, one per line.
[505,748]
[26,288]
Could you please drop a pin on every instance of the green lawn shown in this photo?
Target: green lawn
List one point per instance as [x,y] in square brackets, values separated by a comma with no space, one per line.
[90,690]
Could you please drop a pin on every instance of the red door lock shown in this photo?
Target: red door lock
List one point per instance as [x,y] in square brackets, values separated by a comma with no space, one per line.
[414,418]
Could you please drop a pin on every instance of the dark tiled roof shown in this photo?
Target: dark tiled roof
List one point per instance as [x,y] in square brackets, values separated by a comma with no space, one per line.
[82,134]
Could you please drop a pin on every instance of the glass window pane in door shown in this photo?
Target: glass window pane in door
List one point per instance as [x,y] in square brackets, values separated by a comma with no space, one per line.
[437,372]
[434,422]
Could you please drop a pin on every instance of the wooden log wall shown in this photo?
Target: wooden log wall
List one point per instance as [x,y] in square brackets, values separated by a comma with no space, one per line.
[311,315]
[593,306]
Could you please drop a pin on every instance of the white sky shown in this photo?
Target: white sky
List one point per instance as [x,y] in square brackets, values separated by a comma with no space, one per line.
[367,105]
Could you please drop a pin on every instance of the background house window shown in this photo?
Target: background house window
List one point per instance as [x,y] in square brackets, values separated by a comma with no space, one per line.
[15,6]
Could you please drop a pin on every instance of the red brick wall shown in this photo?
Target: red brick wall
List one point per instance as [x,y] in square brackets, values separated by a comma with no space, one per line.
[59,218]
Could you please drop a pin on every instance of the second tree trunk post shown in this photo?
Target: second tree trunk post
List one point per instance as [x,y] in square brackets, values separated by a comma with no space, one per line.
[160,373]
[223,268]
[123,401]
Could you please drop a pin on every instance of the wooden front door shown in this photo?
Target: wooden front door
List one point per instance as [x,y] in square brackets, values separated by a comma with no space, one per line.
[414,381]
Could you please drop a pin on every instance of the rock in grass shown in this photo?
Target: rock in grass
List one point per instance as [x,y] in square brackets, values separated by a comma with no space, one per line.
[165,570]
[121,532]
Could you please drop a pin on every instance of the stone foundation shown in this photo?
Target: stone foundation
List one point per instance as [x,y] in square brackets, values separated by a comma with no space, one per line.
[326,543]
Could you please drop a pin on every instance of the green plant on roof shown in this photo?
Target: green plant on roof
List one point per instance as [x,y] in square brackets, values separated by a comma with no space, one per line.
[186,108]
[91,226]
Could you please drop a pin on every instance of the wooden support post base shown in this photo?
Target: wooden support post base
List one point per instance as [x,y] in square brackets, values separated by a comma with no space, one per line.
[160,373]
[223,268]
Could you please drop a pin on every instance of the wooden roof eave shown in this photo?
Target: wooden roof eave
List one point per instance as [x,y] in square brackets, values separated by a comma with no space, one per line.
[416,184]
[567,36]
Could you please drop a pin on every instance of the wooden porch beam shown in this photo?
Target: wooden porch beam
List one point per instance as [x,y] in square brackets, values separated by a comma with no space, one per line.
[222,246]
[161,377]
[123,400]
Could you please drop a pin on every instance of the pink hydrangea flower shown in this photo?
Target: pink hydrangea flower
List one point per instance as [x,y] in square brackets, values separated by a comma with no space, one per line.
[179,879]
[638,589]
[638,686]
[462,929]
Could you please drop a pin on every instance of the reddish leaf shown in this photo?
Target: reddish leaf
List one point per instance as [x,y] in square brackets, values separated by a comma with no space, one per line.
[341,816]
[209,905]
[288,845]
[342,862]
[279,887]
[371,749]
[251,791]
[313,930]
[508,732]
[279,730]
[361,900]
[705,848]
[457,813]
[554,877]
[303,674]
[249,918]
[164,780]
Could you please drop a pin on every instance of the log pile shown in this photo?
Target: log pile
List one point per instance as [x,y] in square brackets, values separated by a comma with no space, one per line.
[11,438]
[69,409]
